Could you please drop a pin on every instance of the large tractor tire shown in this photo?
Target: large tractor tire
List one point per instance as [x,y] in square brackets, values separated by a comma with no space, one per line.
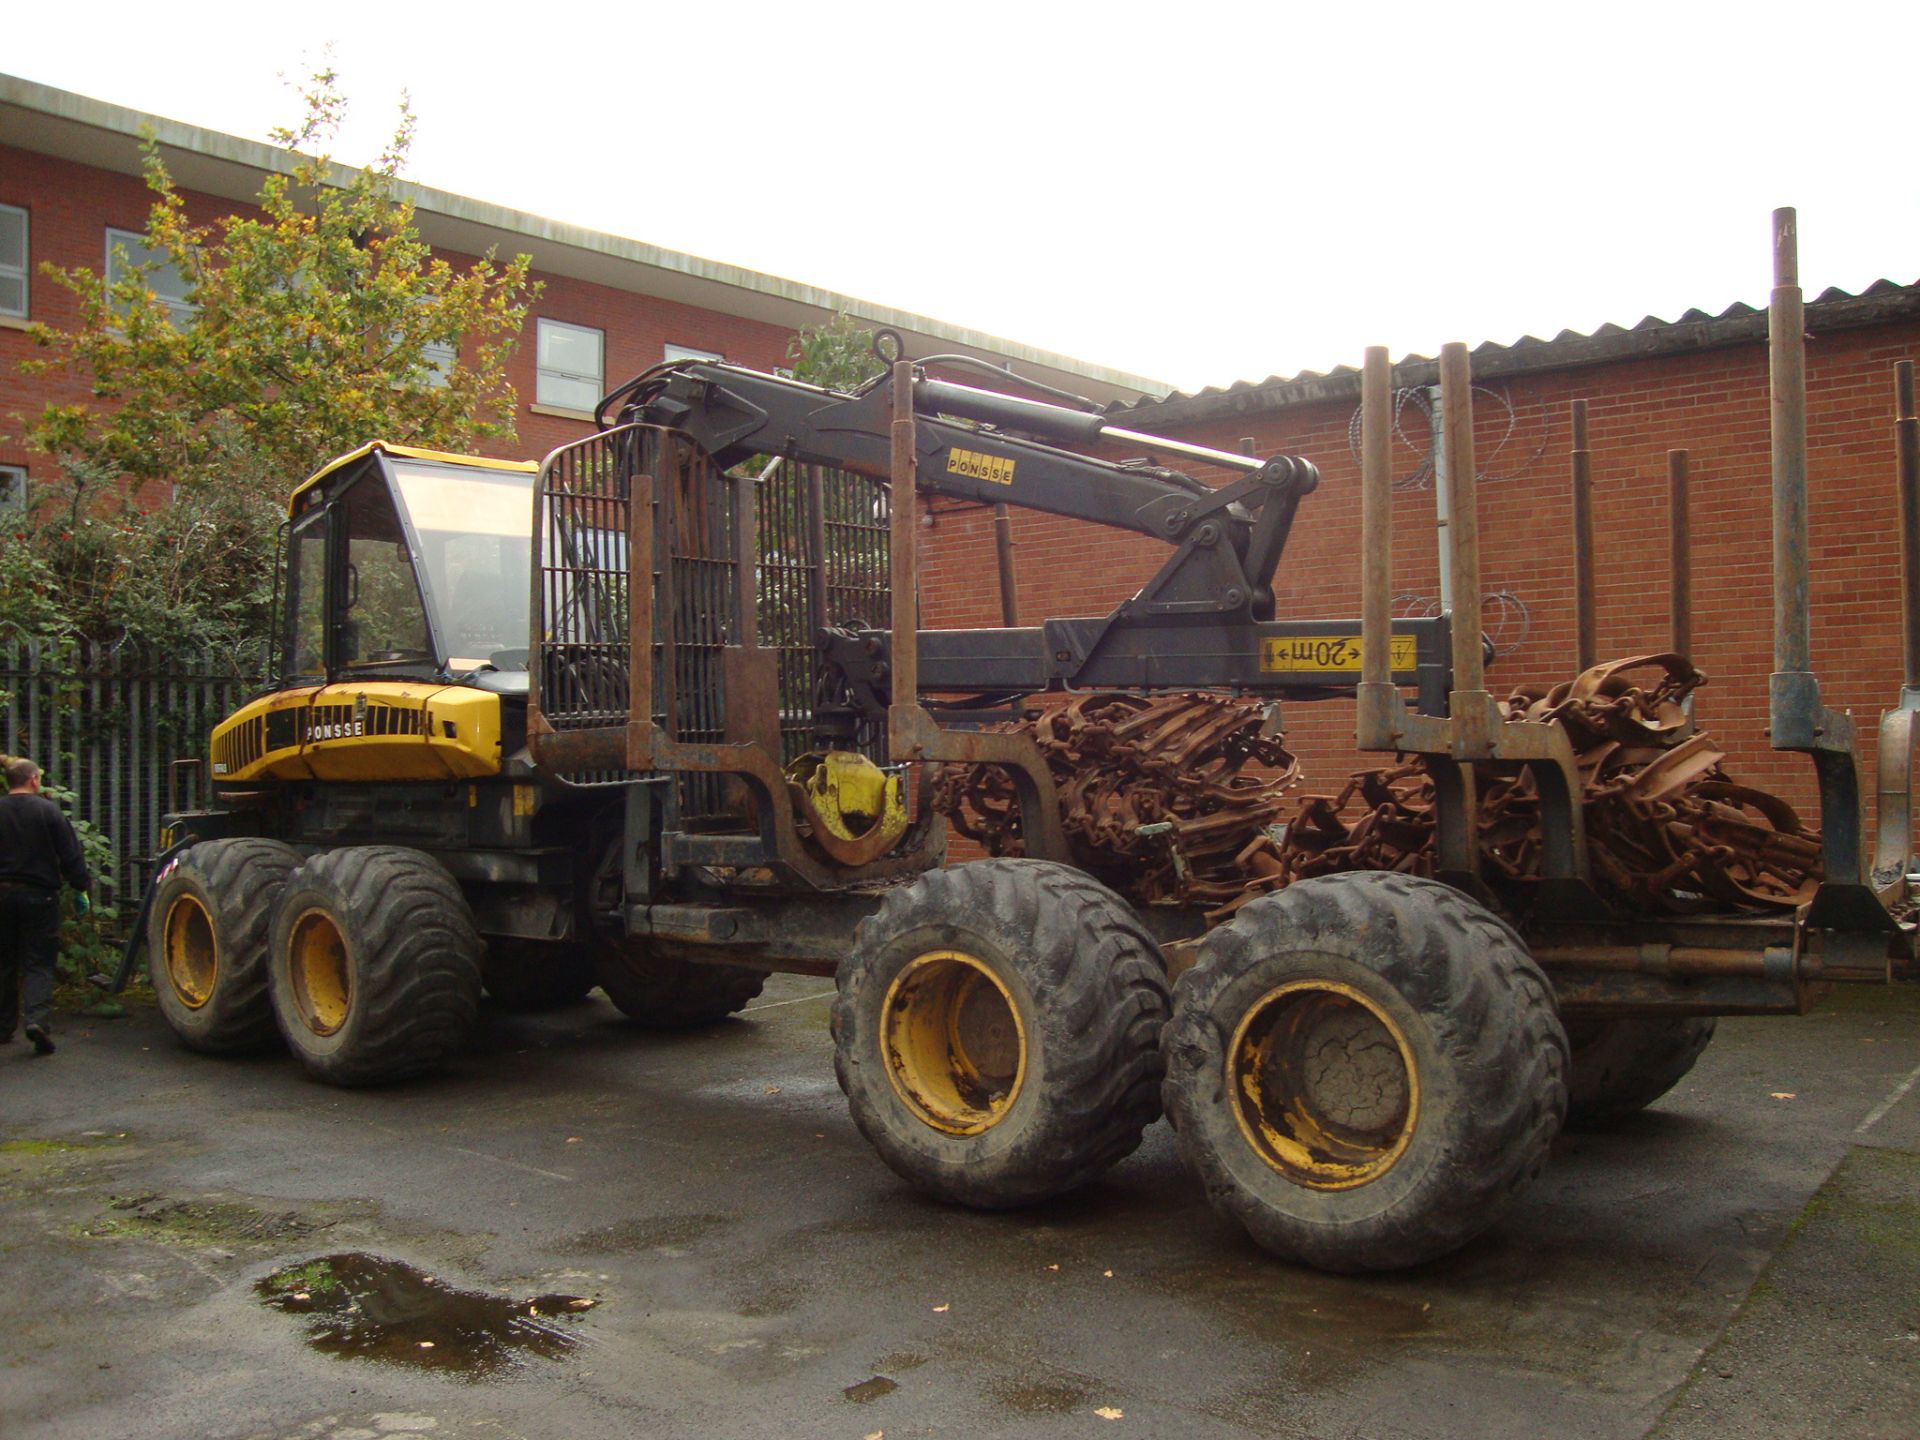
[207,942]
[996,1031]
[374,965]
[658,992]
[535,975]
[1622,1066]
[1364,1070]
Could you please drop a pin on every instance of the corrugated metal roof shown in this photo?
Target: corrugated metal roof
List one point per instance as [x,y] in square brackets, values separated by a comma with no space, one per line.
[1833,309]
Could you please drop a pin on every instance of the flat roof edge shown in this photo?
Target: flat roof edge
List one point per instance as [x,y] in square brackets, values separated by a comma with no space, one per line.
[32,96]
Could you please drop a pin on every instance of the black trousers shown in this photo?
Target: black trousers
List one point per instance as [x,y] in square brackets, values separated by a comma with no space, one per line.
[29,947]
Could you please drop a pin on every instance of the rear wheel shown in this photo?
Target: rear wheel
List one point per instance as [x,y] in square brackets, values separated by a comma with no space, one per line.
[1622,1066]
[207,942]
[1364,1069]
[663,993]
[536,975]
[996,1031]
[374,965]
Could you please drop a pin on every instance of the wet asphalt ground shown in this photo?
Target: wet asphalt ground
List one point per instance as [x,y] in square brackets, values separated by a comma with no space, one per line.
[1742,1260]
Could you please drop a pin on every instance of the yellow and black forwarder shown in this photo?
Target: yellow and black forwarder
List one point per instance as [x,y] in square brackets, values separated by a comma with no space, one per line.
[658,715]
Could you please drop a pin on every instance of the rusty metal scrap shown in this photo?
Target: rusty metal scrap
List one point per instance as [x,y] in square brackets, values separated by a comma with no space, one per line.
[1158,796]
[1666,829]
[1157,800]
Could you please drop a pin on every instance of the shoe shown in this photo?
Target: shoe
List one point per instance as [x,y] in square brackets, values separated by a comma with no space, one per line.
[42,1041]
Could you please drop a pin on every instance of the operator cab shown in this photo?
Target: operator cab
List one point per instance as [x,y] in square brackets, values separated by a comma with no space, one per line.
[407,564]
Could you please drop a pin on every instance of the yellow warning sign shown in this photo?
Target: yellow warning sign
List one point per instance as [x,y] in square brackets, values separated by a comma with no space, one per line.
[1338,654]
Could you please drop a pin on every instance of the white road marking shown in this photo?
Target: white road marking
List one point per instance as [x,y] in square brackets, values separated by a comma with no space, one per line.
[1887,1104]
[515,1164]
[776,1004]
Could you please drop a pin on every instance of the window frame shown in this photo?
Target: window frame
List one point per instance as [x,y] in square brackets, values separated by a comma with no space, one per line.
[541,371]
[179,309]
[671,352]
[25,269]
[14,496]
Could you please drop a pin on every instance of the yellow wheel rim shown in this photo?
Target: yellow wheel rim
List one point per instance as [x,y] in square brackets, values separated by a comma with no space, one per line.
[954,1043]
[1323,1084]
[190,951]
[321,975]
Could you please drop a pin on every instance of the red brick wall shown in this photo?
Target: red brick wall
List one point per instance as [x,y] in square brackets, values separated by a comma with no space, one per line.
[71,206]
[1713,403]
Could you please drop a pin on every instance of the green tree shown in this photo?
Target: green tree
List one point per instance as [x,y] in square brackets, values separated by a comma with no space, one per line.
[313,323]
[837,355]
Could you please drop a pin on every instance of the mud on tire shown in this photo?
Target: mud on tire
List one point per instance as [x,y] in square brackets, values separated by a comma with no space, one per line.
[996,1031]
[374,965]
[207,942]
[1622,1066]
[1364,1070]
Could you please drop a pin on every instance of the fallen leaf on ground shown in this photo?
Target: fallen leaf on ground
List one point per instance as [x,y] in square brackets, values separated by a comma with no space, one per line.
[941,1309]
[1110,1412]
[1784,1095]
[1053,1267]
[582,1304]
[573,1139]
[1107,1273]
[773,1089]
[426,1344]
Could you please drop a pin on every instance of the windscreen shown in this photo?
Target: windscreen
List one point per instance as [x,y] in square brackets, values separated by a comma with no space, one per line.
[475,531]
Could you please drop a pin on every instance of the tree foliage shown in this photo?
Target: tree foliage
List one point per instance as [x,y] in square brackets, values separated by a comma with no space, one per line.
[837,355]
[319,320]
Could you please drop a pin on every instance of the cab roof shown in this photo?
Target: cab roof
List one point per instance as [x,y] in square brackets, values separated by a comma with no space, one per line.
[404,452]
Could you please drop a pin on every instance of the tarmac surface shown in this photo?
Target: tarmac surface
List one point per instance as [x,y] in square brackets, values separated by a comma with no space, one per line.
[1741,1260]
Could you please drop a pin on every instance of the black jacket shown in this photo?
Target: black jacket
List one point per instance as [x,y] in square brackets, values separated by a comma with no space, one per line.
[37,844]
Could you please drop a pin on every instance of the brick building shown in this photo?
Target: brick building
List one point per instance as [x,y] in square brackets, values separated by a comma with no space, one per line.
[69,178]
[70,188]
[1699,383]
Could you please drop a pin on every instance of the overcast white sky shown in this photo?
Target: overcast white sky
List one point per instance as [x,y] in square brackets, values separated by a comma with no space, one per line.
[1196,192]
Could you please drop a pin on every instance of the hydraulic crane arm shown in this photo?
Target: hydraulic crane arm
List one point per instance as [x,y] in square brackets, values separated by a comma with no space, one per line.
[980,445]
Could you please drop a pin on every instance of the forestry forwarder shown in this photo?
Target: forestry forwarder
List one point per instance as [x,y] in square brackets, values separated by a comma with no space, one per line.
[615,720]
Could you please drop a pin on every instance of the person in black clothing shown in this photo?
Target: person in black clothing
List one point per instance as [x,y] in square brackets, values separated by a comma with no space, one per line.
[38,849]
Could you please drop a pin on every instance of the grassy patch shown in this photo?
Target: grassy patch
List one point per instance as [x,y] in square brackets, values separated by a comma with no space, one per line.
[195,1222]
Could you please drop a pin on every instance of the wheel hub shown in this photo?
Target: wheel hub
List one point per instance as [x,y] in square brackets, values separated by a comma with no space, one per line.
[953,1042]
[1323,1084]
[192,954]
[321,975]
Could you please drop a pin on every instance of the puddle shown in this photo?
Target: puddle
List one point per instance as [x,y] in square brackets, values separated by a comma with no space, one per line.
[371,1308]
[870,1389]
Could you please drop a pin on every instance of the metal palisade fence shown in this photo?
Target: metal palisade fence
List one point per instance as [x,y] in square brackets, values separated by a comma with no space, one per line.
[109,725]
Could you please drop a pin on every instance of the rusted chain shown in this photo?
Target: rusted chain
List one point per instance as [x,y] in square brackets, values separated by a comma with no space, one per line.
[1165,799]
[1158,796]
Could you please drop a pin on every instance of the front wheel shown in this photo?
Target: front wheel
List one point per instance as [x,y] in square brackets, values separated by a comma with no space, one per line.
[996,1031]
[207,942]
[374,965]
[1364,1070]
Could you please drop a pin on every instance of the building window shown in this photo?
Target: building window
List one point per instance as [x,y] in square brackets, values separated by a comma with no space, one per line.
[687,352]
[570,366]
[13,487]
[438,358]
[126,251]
[13,261]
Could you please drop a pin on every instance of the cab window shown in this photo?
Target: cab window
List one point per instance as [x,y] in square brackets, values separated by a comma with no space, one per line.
[383,622]
[306,613]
